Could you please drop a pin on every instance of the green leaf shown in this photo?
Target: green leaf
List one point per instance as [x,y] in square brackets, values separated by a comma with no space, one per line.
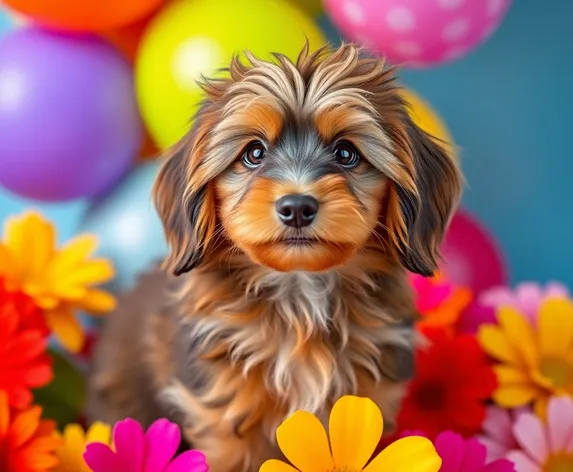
[64,398]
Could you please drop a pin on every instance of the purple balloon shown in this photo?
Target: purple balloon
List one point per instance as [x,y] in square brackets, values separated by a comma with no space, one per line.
[69,123]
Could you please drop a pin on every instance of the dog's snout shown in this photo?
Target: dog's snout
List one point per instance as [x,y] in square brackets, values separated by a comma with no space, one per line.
[297,211]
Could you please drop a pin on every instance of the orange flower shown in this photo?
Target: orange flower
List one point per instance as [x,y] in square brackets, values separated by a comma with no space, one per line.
[24,363]
[439,301]
[27,443]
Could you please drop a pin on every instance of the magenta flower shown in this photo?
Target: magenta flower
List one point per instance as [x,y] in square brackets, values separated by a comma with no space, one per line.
[466,455]
[498,437]
[137,451]
[526,298]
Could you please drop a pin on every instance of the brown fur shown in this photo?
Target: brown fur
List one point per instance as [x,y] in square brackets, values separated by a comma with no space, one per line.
[259,329]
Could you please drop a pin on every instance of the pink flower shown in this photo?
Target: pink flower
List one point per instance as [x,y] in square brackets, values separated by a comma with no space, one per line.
[464,455]
[526,298]
[137,451]
[545,447]
[497,434]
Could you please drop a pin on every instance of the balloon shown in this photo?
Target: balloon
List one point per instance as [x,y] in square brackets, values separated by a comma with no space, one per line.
[129,230]
[69,124]
[471,257]
[419,33]
[190,38]
[127,37]
[6,21]
[85,15]
[314,7]
[427,119]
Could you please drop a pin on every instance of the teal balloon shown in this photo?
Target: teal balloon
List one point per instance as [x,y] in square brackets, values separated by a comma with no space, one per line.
[128,228]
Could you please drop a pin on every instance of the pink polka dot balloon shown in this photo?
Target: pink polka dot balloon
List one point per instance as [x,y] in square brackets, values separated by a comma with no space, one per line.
[418,33]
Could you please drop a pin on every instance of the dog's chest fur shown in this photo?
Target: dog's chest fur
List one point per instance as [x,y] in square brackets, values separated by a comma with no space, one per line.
[256,349]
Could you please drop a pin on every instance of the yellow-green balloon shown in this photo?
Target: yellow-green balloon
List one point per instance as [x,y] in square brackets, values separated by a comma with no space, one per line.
[193,37]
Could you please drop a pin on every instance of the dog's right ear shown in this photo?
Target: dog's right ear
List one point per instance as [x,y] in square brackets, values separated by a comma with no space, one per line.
[186,210]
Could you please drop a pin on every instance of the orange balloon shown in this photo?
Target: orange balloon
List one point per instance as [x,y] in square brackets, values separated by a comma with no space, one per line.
[85,15]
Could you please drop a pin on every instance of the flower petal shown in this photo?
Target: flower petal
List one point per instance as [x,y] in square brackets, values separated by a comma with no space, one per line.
[511,396]
[414,454]
[531,436]
[474,456]
[129,441]
[556,327]
[9,268]
[355,429]
[522,462]
[559,423]
[71,255]
[4,413]
[495,343]
[66,328]
[161,442]
[274,465]
[519,333]
[98,432]
[189,461]
[100,458]
[96,301]
[497,425]
[450,447]
[302,439]
[500,465]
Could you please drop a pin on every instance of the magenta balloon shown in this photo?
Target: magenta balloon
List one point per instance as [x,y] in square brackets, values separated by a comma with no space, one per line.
[471,256]
[69,123]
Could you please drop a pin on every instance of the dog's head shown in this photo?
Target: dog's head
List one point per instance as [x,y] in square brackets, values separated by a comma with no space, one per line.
[299,166]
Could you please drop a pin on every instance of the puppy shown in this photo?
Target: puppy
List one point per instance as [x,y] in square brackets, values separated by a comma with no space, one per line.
[293,209]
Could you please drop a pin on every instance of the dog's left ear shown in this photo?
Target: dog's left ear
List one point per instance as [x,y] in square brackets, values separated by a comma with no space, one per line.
[417,217]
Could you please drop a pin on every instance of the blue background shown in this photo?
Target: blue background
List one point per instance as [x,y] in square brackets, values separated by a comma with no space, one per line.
[509,106]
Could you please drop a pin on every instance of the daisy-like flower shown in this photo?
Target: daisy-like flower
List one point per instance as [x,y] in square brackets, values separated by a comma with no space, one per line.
[526,298]
[453,380]
[74,440]
[535,361]
[497,435]
[545,447]
[24,363]
[139,451]
[59,281]
[355,428]
[465,455]
[439,301]
[30,315]
[27,443]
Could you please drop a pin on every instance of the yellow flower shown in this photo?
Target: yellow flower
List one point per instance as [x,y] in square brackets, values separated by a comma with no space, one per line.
[535,362]
[59,281]
[75,439]
[355,429]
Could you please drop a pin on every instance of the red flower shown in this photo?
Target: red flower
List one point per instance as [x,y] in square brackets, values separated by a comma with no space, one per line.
[453,381]
[24,363]
[31,316]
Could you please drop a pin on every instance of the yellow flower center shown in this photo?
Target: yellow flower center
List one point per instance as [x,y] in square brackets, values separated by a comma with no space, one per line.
[559,463]
[344,469]
[558,370]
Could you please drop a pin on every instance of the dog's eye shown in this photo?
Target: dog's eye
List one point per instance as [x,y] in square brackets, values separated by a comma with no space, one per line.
[346,155]
[254,155]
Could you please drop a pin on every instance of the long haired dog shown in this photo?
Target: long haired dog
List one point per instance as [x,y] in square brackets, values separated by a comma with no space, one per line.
[292,209]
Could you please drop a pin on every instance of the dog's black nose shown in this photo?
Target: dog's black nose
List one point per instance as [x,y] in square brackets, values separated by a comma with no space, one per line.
[297,210]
